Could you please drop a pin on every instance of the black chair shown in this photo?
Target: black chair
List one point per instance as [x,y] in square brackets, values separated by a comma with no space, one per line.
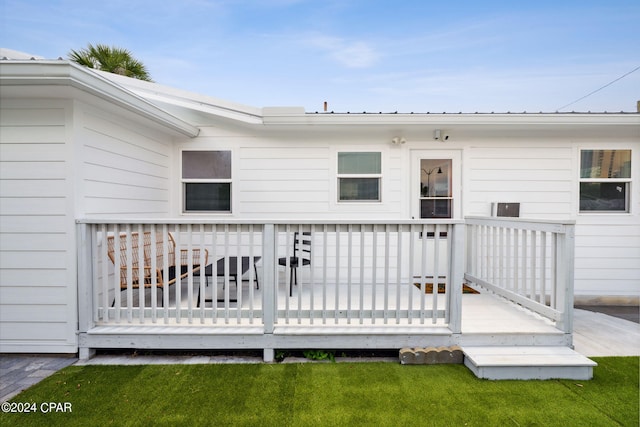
[300,258]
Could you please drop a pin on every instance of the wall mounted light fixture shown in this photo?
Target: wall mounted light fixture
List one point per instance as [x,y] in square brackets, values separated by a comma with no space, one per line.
[398,140]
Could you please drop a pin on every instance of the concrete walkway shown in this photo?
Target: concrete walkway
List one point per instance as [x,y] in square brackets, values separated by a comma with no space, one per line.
[595,335]
[598,334]
[19,372]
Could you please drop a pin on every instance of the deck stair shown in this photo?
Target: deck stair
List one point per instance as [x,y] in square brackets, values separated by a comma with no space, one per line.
[527,363]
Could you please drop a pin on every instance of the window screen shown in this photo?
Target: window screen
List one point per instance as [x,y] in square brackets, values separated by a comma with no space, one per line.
[206,178]
[359,176]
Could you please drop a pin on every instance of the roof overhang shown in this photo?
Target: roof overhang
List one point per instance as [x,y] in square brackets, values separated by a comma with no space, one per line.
[192,107]
[592,125]
[185,112]
[18,74]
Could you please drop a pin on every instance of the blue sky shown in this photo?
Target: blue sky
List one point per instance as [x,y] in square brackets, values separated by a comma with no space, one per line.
[361,55]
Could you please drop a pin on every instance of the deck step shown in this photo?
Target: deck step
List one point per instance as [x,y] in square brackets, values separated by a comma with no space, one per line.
[527,363]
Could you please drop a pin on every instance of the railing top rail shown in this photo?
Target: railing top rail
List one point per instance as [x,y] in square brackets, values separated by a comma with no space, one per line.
[210,221]
[556,226]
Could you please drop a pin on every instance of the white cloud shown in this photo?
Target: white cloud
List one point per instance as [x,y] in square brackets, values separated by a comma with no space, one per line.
[351,54]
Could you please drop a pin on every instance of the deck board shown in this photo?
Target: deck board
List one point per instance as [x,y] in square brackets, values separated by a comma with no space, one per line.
[483,313]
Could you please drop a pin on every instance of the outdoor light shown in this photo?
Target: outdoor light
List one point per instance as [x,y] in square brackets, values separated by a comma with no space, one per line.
[439,136]
[398,140]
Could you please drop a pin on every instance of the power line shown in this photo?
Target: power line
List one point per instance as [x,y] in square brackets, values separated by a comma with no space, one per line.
[599,89]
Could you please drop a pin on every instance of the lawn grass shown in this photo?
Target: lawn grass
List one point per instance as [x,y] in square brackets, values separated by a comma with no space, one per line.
[329,394]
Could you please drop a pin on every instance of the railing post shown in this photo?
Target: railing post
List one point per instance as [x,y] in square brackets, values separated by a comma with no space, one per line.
[565,276]
[456,275]
[470,247]
[84,248]
[269,283]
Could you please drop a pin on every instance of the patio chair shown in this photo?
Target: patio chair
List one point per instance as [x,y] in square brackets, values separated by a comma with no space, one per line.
[163,278]
[300,258]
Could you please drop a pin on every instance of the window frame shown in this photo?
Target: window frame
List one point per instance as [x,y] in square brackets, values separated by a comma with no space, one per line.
[627,181]
[185,181]
[341,176]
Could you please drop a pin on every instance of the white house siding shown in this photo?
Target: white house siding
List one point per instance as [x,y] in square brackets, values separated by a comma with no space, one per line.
[37,244]
[607,261]
[296,178]
[125,167]
[538,175]
[283,181]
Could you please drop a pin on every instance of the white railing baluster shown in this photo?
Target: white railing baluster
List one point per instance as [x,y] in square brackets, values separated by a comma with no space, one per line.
[533,267]
[361,273]
[214,275]
[543,267]
[238,271]
[287,268]
[165,268]
[518,261]
[176,265]
[104,260]
[483,251]
[349,269]
[399,272]
[508,283]
[129,253]
[142,270]
[189,268]
[201,272]
[554,270]
[423,273]
[412,254]
[153,268]
[300,255]
[500,256]
[312,247]
[252,277]
[324,274]
[386,273]
[436,273]
[337,282]
[374,276]
[226,281]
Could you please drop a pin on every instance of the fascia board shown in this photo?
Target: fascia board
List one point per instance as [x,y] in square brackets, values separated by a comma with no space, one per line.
[65,73]
[166,95]
[555,119]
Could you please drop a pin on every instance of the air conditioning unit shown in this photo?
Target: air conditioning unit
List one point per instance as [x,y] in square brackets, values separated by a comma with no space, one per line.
[505,209]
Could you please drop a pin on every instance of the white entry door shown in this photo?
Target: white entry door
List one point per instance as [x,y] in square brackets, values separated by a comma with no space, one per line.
[436,181]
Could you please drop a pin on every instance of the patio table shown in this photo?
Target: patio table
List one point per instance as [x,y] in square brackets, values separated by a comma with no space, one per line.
[233,272]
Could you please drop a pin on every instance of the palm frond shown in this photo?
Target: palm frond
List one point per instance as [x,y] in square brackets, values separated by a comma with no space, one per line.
[110,59]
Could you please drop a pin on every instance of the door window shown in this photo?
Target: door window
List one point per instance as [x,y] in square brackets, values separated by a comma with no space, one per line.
[436,197]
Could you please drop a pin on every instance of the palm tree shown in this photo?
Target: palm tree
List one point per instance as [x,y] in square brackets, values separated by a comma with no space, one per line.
[111,59]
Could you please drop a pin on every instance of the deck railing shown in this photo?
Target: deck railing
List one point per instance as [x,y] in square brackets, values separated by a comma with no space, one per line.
[527,262]
[365,273]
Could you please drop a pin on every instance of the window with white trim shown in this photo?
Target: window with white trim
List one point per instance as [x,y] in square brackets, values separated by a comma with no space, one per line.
[605,180]
[206,181]
[359,176]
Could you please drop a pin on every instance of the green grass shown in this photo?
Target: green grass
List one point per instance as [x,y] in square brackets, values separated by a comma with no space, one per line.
[329,394]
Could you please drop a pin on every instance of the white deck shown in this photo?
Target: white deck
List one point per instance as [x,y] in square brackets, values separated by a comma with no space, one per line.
[482,314]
